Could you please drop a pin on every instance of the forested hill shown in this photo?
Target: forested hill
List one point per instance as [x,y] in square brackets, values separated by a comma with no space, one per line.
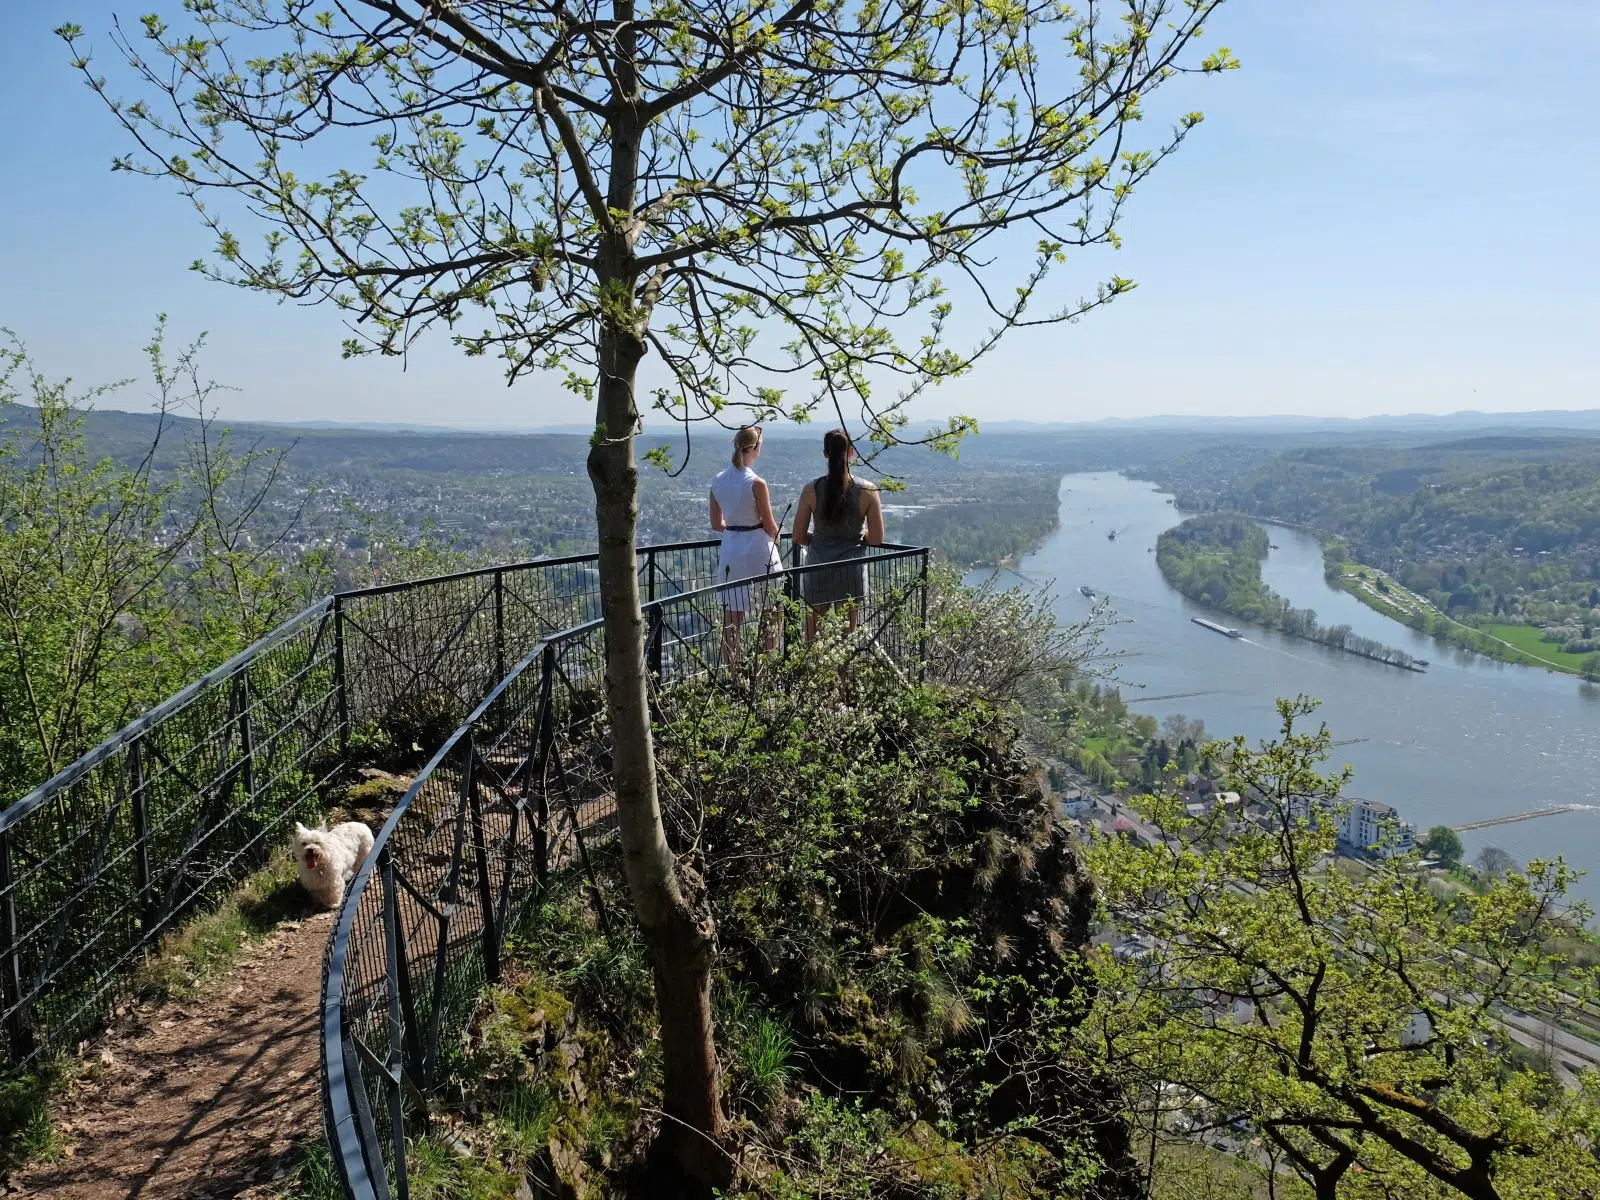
[1501,525]
[503,496]
[1463,497]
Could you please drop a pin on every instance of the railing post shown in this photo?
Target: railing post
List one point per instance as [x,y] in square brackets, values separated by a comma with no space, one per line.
[650,574]
[499,626]
[922,621]
[247,770]
[141,833]
[18,1035]
[652,639]
[394,1063]
[545,734]
[480,855]
[340,680]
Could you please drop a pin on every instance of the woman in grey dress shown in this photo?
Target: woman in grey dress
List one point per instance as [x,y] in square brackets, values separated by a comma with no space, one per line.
[839,516]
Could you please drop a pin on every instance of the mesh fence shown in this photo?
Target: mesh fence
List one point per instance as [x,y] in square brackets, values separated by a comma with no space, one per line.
[170,815]
[520,798]
[419,658]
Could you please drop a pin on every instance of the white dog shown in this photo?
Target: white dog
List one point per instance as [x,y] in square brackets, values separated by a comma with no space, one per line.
[329,858]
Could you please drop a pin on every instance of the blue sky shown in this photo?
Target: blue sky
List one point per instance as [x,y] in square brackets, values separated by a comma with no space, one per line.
[1391,208]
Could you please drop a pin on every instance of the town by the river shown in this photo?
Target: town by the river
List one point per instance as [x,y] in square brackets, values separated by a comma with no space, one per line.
[1470,740]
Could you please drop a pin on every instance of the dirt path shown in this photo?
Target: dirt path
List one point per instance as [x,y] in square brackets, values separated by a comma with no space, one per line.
[203,1098]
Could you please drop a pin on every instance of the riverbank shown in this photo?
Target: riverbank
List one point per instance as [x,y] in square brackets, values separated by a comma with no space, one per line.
[1470,740]
[1216,560]
[1010,520]
[1518,644]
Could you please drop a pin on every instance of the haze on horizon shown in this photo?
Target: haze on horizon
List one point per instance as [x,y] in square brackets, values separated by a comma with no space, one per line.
[1389,209]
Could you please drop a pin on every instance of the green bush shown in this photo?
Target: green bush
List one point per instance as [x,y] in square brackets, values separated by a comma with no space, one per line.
[897,908]
[26,1132]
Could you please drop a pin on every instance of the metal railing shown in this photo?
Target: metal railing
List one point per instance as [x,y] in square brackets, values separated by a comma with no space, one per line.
[518,798]
[168,816]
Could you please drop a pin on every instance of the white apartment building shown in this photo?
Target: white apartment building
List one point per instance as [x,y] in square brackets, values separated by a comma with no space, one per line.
[1375,828]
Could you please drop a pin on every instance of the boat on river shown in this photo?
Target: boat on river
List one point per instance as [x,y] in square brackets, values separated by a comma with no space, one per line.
[1224,630]
[1087,591]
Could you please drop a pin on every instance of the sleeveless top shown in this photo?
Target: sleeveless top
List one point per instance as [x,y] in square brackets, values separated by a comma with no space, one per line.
[735,490]
[841,537]
[746,550]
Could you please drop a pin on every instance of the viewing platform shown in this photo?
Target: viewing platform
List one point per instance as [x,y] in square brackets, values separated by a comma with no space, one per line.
[492,682]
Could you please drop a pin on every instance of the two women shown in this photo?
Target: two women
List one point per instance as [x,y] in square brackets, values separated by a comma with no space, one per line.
[838,518]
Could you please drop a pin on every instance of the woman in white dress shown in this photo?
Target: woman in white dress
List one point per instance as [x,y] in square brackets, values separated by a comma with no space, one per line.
[741,511]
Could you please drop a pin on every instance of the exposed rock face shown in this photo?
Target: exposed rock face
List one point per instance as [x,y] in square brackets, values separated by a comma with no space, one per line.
[891,877]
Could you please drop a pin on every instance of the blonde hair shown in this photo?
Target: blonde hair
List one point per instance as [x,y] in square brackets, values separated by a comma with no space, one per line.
[747,439]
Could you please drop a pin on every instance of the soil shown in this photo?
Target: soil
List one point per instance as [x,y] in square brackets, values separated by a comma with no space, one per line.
[202,1098]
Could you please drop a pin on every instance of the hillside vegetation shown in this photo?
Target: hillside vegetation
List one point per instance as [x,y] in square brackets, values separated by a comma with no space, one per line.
[1509,526]
[900,923]
[1484,532]
[995,527]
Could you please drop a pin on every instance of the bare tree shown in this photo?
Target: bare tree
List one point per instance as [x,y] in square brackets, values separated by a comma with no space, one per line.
[1494,861]
[783,200]
[119,580]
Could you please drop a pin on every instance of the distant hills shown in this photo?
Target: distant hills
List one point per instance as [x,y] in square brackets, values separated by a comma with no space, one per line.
[1241,442]
[1585,420]
[1554,419]
[1388,427]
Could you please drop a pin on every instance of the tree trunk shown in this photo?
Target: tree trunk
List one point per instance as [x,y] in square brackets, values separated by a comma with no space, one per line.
[670,904]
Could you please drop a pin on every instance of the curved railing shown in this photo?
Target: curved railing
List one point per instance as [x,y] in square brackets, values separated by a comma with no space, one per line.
[166,817]
[516,797]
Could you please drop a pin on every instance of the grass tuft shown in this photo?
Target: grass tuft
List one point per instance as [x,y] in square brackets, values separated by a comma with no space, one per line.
[436,1171]
[763,1054]
[26,1132]
[522,1122]
[433,1171]
[313,1176]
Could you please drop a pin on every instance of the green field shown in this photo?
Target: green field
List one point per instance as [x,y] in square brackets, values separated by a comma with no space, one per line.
[1512,643]
[1526,639]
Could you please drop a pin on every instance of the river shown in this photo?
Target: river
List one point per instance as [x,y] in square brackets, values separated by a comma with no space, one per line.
[1469,740]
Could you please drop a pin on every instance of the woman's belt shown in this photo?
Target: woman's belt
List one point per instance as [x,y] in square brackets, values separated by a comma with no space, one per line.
[741,528]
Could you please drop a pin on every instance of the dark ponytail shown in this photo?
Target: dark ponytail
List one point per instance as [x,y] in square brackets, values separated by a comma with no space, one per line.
[836,445]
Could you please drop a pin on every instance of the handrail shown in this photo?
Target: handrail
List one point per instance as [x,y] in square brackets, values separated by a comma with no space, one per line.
[18,809]
[21,807]
[170,812]
[349,1116]
[339,1118]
